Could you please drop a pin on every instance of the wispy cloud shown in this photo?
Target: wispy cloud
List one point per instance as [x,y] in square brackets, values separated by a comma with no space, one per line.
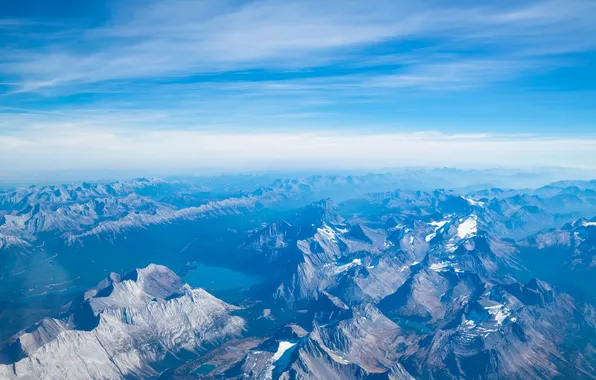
[186,82]
[164,39]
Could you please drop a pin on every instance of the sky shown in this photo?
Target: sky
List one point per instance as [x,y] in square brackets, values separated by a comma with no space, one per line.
[180,84]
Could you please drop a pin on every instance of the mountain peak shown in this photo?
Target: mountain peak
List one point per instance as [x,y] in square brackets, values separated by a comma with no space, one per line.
[129,336]
[154,282]
[323,211]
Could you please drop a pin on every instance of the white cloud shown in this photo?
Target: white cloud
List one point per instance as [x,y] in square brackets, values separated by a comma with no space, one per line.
[181,37]
[144,114]
[74,148]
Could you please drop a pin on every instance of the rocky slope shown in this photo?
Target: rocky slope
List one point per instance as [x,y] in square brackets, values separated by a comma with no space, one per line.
[388,285]
[122,328]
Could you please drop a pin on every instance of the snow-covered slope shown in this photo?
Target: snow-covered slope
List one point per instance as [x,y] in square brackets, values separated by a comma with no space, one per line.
[142,319]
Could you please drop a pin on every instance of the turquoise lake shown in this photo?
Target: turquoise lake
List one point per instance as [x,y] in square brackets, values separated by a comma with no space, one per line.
[219,278]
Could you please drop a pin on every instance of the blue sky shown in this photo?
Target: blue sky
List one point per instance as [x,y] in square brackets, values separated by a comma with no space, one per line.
[273,84]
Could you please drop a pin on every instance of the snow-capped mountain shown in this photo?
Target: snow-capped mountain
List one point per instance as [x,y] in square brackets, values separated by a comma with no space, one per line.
[124,326]
[319,250]
[394,284]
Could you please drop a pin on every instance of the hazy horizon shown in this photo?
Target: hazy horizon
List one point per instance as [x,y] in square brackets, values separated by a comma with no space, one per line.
[267,85]
[503,177]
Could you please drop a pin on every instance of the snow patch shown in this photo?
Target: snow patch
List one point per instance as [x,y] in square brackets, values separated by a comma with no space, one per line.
[438,226]
[467,228]
[344,267]
[281,349]
[327,232]
[398,227]
[411,265]
[474,202]
[499,312]
[440,267]
[468,323]
[338,358]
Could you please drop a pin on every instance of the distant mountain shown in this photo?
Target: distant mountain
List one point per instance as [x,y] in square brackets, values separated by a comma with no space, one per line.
[75,212]
[565,256]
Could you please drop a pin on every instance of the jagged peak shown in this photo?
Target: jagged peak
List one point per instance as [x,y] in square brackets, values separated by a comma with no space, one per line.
[539,285]
[534,292]
[319,212]
[583,222]
[335,300]
[154,282]
[279,226]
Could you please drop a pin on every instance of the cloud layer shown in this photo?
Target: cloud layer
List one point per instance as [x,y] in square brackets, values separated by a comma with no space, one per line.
[99,149]
[302,74]
[181,37]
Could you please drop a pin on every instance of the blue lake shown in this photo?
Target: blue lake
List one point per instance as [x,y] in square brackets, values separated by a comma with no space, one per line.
[204,369]
[219,278]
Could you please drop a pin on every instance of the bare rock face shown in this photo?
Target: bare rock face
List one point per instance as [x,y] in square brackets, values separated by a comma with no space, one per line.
[426,297]
[392,285]
[364,345]
[143,317]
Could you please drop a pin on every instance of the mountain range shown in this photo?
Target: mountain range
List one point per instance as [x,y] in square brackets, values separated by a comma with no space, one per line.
[351,277]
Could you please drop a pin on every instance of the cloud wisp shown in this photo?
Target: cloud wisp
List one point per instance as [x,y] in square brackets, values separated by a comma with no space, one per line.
[181,37]
[309,83]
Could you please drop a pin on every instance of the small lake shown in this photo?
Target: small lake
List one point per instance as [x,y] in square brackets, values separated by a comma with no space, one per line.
[414,325]
[204,369]
[219,278]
